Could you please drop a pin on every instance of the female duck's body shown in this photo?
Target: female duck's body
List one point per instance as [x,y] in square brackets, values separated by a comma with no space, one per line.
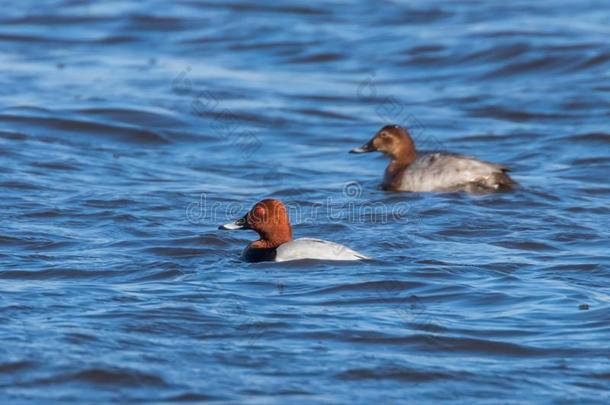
[448,172]
[408,171]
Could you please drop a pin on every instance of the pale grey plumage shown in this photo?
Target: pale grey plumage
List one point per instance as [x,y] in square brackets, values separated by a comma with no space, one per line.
[446,172]
[308,248]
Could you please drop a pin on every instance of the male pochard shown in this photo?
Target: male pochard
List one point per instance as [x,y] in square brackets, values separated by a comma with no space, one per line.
[269,218]
[409,171]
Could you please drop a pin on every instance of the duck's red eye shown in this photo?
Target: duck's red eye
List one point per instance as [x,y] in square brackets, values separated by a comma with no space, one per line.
[259,212]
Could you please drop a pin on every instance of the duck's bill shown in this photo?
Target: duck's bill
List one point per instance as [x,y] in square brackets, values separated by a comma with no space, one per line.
[232,226]
[367,147]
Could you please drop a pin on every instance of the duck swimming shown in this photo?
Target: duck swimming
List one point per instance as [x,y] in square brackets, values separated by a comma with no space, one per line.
[269,218]
[409,171]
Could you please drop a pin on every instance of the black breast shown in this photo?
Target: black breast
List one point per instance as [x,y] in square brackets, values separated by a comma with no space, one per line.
[254,255]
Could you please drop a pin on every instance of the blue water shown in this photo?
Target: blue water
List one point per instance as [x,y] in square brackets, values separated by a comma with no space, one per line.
[129,130]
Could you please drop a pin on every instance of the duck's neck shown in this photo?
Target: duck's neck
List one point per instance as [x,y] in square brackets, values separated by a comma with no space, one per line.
[405,153]
[401,160]
[274,240]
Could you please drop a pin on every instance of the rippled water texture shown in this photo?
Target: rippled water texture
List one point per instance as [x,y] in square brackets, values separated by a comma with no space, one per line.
[129,130]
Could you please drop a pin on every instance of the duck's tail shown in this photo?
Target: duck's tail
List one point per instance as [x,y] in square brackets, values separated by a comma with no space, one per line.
[496,182]
[501,181]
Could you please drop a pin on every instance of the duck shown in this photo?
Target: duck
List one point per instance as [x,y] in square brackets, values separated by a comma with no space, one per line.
[433,172]
[269,218]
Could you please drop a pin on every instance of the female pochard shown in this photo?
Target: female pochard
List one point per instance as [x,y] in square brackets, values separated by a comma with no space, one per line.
[410,171]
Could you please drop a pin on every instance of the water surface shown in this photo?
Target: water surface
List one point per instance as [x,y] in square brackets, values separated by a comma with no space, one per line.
[129,130]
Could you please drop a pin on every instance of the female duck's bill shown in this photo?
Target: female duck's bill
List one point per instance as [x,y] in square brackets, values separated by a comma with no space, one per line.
[269,218]
[410,171]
